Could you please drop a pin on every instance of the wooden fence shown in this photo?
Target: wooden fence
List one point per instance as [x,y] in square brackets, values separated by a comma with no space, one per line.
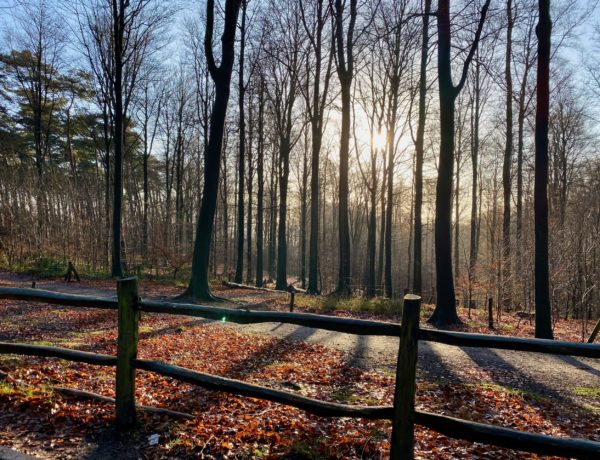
[402,413]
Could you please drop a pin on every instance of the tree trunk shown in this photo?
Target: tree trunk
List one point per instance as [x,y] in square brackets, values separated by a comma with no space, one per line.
[445,311]
[260,192]
[345,68]
[474,243]
[239,267]
[250,191]
[303,213]
[198,286]
[284,173]
[118,7]
[543,316]
[316,125]
[272,255]
[506,168]
[419,149]
[388,217]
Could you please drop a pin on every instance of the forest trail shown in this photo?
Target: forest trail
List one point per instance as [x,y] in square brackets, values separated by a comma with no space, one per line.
[565,378]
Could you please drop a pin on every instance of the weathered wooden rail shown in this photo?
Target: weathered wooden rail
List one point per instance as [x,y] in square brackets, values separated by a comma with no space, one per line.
[402,413]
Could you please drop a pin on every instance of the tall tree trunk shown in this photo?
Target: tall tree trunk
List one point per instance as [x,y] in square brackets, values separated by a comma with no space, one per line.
[146,156]
[388,217]
[445,311]
[473,247]
[520,148]
[225,203]
[118,9]
[239,267]
[198,287]
[303,212]
[272,255]
[106,126]
[372,230]
[284,173]
[543,314]
[419,149]
[380,249]
[506,168]
[345,69]
[457,212]
[250,192]
[316,125]
[260,192]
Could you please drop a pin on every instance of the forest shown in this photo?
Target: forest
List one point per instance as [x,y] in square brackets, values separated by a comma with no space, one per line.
[339,152]
[331,172]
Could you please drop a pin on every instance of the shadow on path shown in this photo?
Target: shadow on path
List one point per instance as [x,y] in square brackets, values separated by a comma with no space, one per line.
[506,374]
[579,364]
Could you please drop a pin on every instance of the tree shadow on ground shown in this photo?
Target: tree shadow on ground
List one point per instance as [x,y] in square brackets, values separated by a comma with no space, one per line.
[579,364]
[504,373]
[431,366]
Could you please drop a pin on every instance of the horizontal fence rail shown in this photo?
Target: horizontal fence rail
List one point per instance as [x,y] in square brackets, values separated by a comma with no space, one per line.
[237,387]
[129,306]
[540,444]
[337,324]
[244,316]
[554,347]
[57,352]
[58,298]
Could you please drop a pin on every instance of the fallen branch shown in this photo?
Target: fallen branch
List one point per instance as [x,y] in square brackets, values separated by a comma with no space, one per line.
[98,397]
[290,288]
[231,285]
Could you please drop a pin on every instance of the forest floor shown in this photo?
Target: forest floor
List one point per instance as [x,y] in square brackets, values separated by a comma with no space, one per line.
[530,392]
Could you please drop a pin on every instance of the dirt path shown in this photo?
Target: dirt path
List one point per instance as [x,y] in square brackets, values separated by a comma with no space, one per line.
[561,377]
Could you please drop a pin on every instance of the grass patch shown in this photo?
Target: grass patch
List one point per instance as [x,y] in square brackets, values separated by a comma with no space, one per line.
[11,360]
[589,392]
[6,389]
[379,305]
[592,408]
[344,395]
[513,391]
[44,343]
[260,452]
[347,395]
[310,451]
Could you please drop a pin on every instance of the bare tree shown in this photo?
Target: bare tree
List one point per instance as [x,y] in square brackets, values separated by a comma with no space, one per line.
[445,309]
[221,74]
[239,267]
[314,22]
[344,49]
[419,153]
[507,164]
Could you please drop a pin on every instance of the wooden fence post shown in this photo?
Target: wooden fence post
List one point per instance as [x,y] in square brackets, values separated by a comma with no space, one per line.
[402,445]
[129,314]
[490,313]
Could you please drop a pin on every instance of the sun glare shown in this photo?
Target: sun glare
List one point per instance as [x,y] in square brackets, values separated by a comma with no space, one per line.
[379,140]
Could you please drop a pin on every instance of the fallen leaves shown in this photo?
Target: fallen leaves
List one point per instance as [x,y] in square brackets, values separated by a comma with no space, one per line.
[226,426]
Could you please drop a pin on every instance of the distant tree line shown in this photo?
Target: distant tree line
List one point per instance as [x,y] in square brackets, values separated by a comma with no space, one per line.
[357,147]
